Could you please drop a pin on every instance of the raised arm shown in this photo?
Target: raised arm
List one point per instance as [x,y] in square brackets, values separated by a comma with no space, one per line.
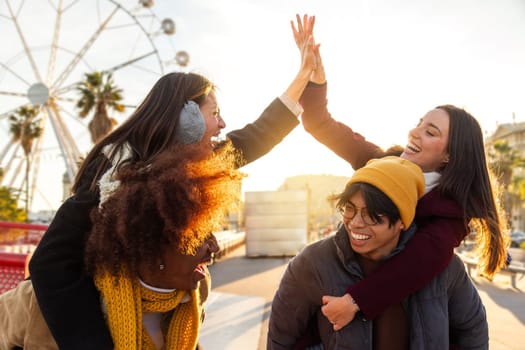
[316,119]
[337,136]
[425,256]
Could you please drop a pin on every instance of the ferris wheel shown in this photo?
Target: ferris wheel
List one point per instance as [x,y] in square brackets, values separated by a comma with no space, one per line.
[48,48]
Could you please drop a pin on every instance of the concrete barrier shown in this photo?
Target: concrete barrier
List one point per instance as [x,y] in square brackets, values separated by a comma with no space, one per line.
[228,241]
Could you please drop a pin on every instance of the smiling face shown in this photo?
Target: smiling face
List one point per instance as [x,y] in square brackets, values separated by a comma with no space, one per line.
[181,271]
[427,142]
[374,242]
[213,120]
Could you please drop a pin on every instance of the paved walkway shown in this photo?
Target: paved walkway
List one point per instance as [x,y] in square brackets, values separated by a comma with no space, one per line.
[505,312]
[242,290]
[232,321]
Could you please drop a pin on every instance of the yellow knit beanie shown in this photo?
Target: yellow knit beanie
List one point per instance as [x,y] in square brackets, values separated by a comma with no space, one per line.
[399,179]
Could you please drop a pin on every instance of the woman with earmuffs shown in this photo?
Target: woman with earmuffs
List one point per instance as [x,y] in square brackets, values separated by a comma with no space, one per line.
[181,109]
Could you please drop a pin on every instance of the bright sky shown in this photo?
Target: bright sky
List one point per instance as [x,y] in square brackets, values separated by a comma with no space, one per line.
[387,63]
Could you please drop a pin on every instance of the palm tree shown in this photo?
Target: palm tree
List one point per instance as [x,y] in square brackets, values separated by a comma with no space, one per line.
[503,159]
[98,93]
[9,210]
[507,164]
[25,129]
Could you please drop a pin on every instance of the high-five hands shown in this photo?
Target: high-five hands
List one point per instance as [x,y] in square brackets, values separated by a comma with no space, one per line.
[304,38]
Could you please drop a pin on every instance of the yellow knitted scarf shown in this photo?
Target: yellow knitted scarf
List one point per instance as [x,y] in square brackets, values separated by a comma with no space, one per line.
[126,300]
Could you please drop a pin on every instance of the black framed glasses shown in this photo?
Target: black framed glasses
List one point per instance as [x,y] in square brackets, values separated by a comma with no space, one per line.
[349,211]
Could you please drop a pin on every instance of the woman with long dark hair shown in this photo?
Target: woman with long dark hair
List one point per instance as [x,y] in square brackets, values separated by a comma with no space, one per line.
[460,196]
[181,109]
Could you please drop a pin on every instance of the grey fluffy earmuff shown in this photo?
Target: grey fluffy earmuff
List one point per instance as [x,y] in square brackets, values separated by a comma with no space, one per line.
[191,124]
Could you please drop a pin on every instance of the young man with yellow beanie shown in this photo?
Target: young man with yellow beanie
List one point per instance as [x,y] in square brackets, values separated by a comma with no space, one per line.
[378,206]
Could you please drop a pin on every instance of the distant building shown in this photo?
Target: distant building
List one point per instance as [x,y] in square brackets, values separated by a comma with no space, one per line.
[276,222]
[514,135]
[320,187]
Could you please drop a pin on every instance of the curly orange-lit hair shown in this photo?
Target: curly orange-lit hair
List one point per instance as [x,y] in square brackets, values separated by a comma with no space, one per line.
[178,200]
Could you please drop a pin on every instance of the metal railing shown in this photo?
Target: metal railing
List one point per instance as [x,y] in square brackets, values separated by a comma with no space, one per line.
[19,240]
[515,270]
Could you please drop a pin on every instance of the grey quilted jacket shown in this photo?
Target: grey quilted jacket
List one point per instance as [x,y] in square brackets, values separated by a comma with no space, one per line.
[449,307]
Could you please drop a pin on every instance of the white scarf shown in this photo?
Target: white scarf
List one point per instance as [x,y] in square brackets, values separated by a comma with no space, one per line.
[431,180]
[108,182]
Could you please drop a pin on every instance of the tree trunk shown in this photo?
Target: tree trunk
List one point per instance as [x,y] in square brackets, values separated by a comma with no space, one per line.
[101,124]
[28,164]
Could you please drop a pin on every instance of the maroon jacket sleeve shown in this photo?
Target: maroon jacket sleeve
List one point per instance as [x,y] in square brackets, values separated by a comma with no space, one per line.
[259,137]
[425,256]
[427,253]
[338,137]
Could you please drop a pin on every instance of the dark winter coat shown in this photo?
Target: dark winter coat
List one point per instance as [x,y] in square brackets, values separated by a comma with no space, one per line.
[447,309]
[440,220]
[67,296]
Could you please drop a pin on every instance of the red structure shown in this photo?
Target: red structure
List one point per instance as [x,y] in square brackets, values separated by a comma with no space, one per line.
[17,243]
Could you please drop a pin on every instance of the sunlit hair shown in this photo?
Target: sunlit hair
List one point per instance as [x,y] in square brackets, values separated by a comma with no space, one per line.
[467,179]
[177,200]
[378,205]
[150,130]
